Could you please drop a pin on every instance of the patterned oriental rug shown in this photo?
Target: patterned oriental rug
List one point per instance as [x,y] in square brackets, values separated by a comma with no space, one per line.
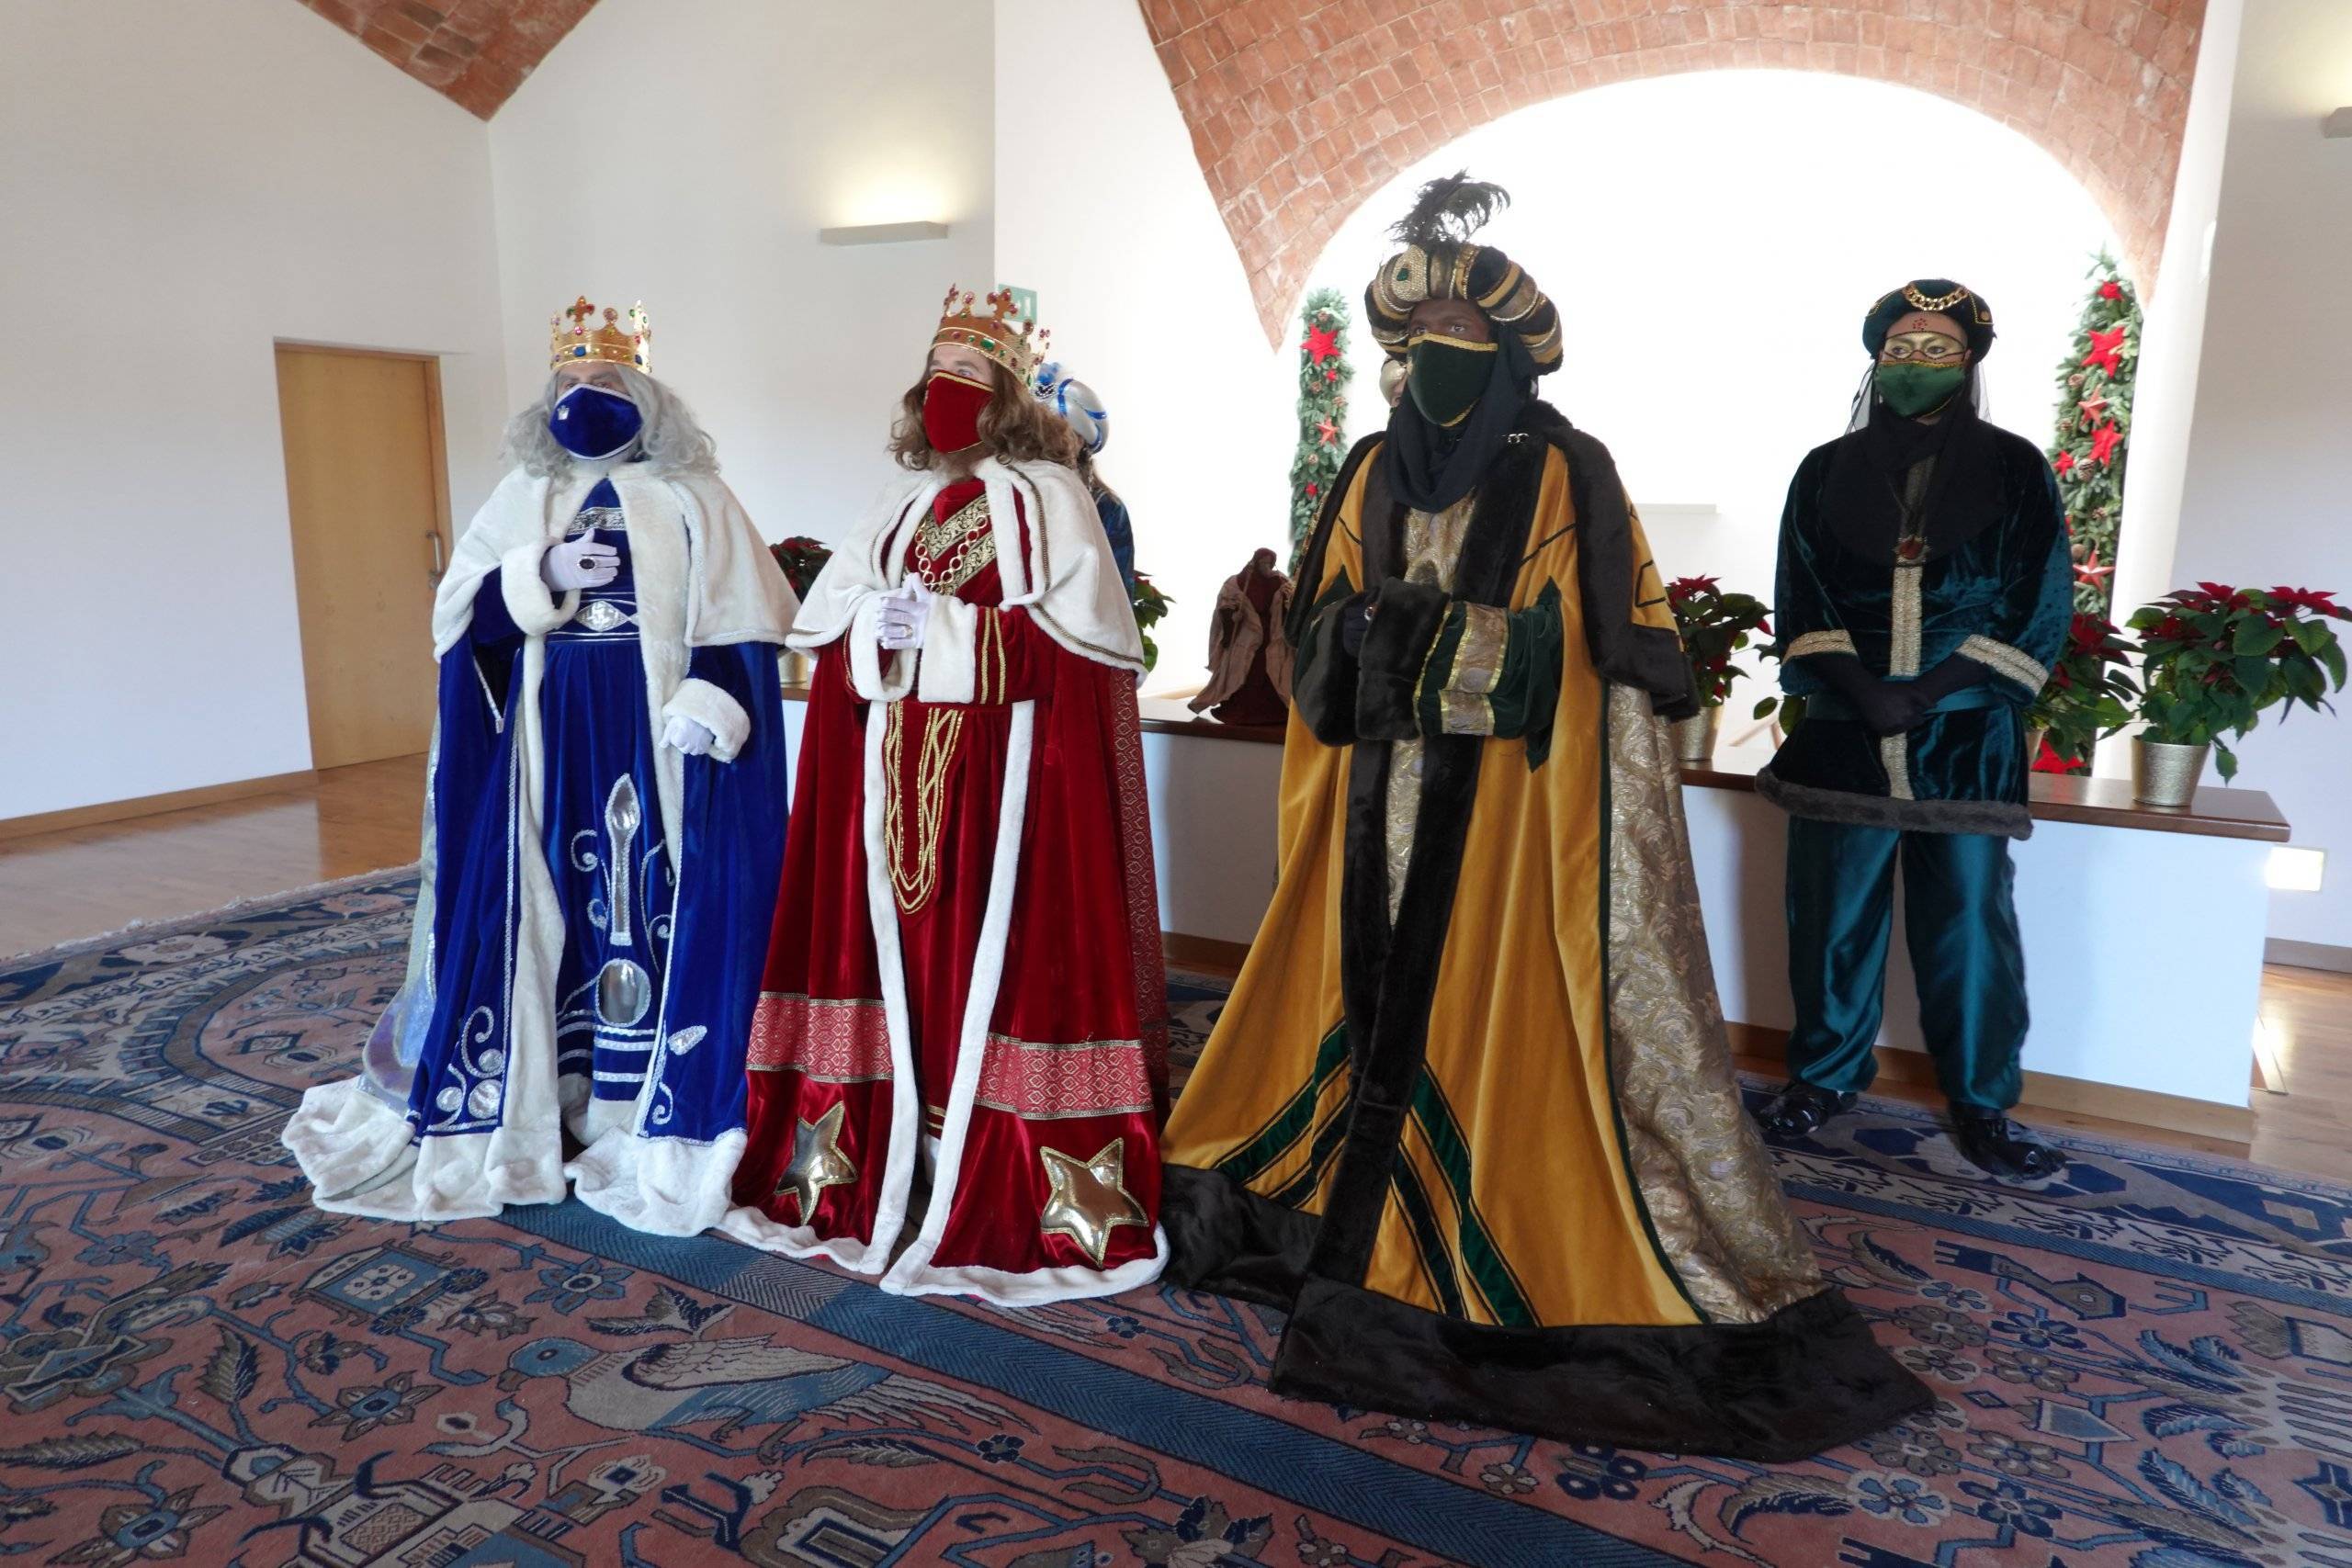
[2148,1364]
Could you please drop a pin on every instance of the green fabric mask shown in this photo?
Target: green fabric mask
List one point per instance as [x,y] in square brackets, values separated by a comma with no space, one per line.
[1446,376]
[1913,389]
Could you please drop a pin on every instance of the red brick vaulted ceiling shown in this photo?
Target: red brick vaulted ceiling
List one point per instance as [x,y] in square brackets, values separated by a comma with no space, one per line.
[1300,109]
[473,53]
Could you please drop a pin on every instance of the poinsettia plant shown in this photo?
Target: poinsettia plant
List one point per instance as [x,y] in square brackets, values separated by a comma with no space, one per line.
[801,559]
[1149,604]
[2213,656]
[2088,694]
[1714,625]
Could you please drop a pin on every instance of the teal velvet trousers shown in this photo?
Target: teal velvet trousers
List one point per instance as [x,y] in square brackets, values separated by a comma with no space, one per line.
[1960,925]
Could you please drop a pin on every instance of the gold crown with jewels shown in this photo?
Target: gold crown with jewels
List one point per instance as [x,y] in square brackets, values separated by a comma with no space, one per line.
[576,335]
[999,336]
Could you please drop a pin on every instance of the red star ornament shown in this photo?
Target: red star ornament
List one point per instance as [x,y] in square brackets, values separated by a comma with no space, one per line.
[2064,463]
[2107,349]
[2104,442]
[1321,343]
[2090,571]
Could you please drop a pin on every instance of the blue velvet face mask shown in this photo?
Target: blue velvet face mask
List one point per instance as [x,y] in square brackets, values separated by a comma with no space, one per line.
[593,422]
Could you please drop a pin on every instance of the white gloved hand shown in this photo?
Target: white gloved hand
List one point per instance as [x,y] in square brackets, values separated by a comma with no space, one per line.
[579,563]
[683,734]
[905,611]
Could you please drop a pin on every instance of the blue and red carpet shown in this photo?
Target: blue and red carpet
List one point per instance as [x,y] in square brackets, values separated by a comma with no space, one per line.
[2148,1364]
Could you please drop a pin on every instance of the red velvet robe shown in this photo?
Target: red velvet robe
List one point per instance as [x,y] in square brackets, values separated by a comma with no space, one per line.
[1073,1060]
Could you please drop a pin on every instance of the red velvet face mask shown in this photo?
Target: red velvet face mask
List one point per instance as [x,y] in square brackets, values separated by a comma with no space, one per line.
[951,411]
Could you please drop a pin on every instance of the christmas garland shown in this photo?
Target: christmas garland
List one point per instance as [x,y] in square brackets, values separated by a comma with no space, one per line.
[1323,374]
[2095,429]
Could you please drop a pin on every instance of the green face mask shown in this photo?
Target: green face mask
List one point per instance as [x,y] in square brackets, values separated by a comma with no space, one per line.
[1913,389]
[1446,376]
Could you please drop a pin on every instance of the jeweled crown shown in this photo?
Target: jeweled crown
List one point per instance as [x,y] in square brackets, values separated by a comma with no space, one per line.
[999,336]
[575,334]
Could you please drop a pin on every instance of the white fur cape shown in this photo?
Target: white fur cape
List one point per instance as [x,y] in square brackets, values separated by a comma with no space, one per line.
[703,579]
[1068,583]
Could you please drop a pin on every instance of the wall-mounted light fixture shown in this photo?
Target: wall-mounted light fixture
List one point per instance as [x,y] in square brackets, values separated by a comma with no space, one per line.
[2338,125]
[882,234]
[2295,870]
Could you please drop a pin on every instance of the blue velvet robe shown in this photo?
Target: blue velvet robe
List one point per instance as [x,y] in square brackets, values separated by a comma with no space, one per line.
[696,912]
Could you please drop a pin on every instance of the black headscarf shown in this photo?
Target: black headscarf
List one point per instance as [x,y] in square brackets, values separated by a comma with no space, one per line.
[1430,467]
[1862,502]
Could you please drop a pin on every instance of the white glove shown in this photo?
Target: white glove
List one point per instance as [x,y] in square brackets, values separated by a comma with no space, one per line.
[904,613]
[683,734]
[579,563]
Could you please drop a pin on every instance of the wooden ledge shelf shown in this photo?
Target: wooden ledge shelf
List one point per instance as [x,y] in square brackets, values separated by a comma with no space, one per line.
[2052,797]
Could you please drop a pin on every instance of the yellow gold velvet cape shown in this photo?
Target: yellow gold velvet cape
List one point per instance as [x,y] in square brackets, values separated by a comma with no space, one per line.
[1521,1187]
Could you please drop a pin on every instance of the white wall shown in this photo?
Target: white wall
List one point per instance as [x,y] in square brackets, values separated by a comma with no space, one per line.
[687,155]
[1103,208]
[182,186]
[1711,241]
[2163,395]
[2269,468]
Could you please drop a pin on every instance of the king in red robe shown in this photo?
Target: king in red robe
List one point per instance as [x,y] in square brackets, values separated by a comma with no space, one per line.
[964,988]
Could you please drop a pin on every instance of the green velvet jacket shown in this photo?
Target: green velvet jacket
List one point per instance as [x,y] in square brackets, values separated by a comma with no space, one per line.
[2001,596]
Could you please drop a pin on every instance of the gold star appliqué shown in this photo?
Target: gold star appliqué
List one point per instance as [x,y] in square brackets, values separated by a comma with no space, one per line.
[1090,1198]
[817,1163]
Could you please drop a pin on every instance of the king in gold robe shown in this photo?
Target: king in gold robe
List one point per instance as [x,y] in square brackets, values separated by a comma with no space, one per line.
[1470,1114]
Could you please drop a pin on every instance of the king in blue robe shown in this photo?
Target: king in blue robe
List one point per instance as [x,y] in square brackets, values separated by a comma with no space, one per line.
[604,831]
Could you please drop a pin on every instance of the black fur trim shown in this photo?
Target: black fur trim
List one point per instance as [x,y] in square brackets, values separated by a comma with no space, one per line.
[1649,658]
[1806,1379]
[1309,575]
[1388,668]
[2005,819]
[1226,1238]
[1323,685]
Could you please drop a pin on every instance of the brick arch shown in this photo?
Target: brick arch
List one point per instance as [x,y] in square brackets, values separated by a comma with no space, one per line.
[1299,109]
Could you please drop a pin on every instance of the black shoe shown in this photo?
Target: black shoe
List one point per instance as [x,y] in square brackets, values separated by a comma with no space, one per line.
[2000,1147]
[1802,1108]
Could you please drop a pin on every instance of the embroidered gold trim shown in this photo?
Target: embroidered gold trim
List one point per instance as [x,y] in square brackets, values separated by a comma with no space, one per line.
[992,636]
[936,536]
[1464,258]
[913,884]
[1902,637]
[949,557]
[1465,713]
[1894,755]
[1811,643]
[2009,662]
[1478,657]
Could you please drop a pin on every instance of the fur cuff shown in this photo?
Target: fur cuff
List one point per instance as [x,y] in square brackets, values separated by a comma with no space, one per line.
[948,668]
[1395,646]
[535,610]
[711,707]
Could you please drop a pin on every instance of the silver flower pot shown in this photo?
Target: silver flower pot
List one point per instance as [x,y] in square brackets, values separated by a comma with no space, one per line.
[1694,738]
[2166,775]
